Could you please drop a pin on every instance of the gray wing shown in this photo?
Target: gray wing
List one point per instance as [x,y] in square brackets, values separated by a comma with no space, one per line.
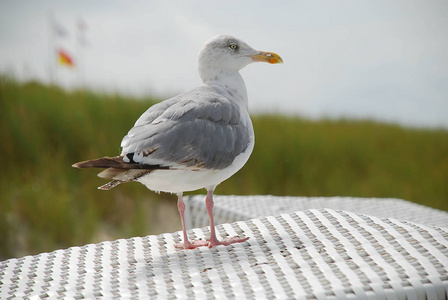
[198,128]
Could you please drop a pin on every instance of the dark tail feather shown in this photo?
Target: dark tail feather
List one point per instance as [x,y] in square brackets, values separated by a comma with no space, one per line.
[104,162]
[114,162]
[110,185]
[120,176]
[117,170]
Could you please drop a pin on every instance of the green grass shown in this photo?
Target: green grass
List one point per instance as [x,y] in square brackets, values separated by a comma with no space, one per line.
[46,204]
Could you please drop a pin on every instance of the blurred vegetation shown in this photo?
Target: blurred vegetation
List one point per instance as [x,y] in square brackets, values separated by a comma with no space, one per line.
[46,204]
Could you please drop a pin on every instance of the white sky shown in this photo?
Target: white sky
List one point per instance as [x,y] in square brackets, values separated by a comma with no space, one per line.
[384,60]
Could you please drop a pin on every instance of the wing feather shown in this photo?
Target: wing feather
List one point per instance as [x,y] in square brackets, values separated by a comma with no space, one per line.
[197,128]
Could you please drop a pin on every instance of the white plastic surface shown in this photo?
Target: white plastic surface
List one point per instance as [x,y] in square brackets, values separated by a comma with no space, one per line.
[313,254]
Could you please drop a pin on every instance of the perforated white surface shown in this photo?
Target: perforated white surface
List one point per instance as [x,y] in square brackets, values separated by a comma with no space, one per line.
[236,208]
[315,254]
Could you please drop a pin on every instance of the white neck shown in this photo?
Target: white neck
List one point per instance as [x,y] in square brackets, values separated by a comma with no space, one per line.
[232,83]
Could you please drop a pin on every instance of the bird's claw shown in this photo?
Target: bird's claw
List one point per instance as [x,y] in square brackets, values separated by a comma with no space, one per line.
[192,245]
[210,243]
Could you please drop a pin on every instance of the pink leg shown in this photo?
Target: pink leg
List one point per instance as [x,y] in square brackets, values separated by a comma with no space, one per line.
[213,241]
[186,244]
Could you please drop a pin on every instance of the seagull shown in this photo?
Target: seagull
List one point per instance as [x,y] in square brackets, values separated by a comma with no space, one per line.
[194,140]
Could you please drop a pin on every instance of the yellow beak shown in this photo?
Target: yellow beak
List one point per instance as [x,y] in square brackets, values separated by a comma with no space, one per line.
[269,57]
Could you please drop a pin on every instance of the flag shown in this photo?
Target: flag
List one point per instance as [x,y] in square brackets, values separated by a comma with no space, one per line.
[59,30]
[82,25]
[65,59]
[82,28]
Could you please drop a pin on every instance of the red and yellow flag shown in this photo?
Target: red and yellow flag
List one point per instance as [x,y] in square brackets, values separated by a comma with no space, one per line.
[65,59]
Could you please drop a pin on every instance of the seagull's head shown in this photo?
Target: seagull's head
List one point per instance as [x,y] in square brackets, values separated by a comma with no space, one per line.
[224,55]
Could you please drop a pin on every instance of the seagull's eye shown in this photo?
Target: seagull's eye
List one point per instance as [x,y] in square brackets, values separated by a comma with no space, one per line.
[233,46]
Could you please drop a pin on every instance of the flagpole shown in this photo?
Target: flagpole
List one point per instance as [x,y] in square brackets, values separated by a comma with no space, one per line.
[58,55]
[52,48]
[79,39]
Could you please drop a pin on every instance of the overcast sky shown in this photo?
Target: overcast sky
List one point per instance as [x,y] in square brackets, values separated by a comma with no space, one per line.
[384,60]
